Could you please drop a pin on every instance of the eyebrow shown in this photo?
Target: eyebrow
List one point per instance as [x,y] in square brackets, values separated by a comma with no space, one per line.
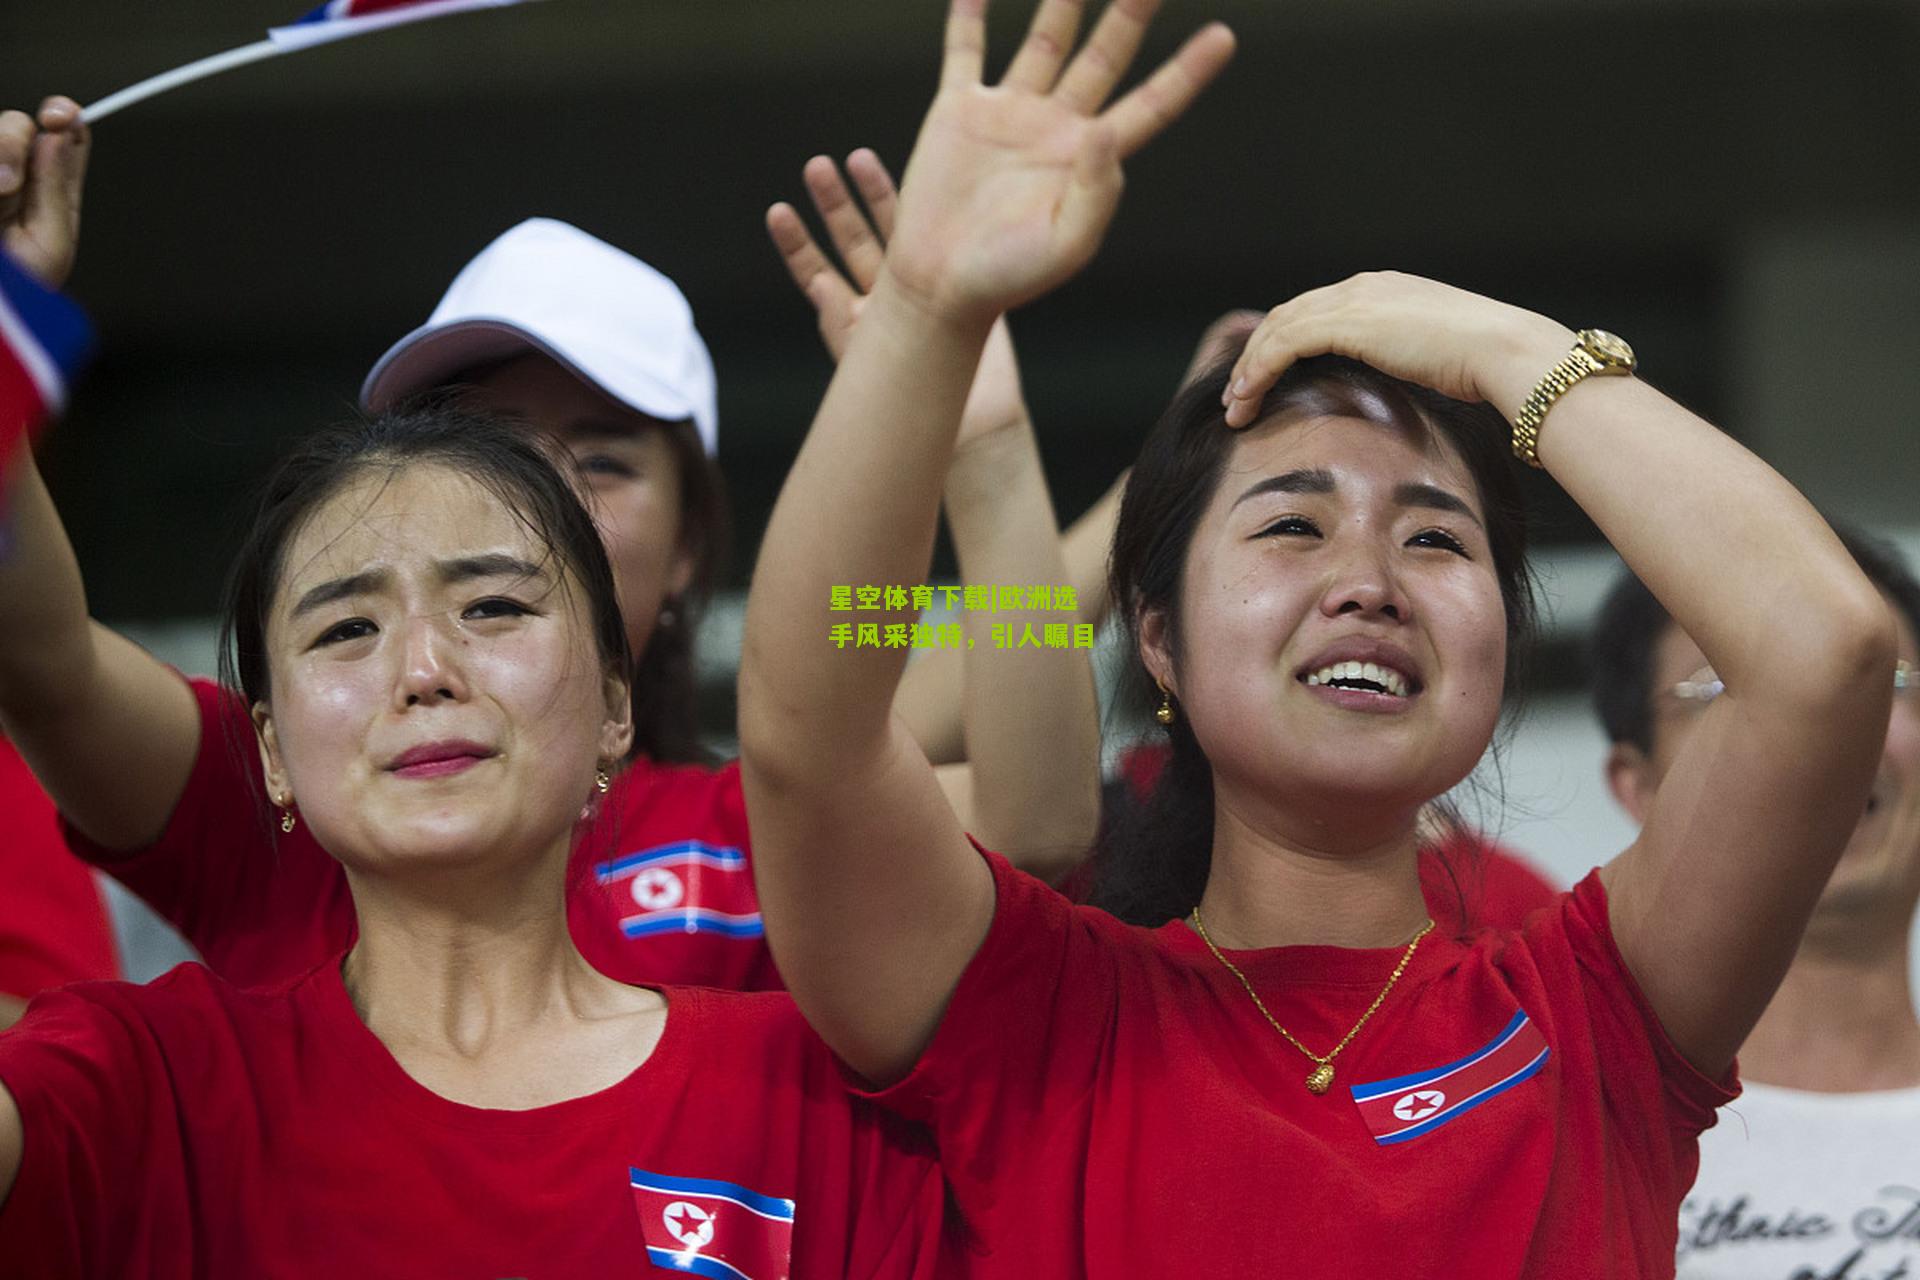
[1434,498]
[461,569]
[1319,480]
[1306,480]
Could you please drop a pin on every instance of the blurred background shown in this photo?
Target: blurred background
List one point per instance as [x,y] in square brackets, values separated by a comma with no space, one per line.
[1733,186]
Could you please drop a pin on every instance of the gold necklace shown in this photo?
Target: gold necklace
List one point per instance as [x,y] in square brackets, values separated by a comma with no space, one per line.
[1320,1079]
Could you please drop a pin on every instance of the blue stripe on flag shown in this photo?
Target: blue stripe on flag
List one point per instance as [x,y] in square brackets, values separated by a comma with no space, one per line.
[765,1206]
[693,920]
[1399,1084]
[1458,1108]
[694,1264]
[723,856]
[57,323]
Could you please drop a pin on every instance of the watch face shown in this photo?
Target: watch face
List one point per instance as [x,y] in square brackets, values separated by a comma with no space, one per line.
[1607,348]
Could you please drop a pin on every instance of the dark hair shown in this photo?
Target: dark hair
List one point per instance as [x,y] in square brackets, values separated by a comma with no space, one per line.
[666,723]
[515,467]
[1152,865]
[1631,622]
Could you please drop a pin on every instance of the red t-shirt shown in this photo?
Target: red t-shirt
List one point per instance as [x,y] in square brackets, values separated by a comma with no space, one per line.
[660,889]
[53,926]
[1108,1102]
[190,1129]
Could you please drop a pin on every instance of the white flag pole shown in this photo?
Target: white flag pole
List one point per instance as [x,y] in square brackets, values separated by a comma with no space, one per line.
[182,75]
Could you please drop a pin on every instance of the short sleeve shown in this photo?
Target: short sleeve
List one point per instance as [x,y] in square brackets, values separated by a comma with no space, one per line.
[1633,1048]
[1029,1024]
[101,1184]
[259,906]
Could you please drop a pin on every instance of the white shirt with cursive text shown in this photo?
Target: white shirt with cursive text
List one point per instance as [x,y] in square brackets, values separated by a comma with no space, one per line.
[1807,1186]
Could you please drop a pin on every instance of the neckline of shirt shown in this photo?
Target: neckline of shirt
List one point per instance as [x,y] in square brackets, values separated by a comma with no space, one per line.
[326,991]
[1317,965]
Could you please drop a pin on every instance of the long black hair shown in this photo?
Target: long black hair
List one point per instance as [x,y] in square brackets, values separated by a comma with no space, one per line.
[1153,861]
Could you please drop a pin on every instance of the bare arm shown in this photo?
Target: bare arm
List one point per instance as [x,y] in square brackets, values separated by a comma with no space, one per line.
[1031,735]
[1709,903]
[110,732]
[10,1011]
[874,903]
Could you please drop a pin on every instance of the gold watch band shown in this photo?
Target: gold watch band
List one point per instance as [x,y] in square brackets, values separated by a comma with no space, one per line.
[1559,380]
[1594,351]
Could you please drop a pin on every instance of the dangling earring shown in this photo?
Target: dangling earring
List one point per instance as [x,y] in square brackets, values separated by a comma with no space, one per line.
[287,819]
[1164,712]
[602,780]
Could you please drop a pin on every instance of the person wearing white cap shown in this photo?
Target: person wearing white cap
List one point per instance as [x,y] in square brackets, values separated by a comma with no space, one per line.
[155,776]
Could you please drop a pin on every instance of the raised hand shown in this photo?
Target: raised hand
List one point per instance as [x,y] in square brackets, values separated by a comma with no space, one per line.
[43,164]
[1458,343]
[1011,187]
[994,401]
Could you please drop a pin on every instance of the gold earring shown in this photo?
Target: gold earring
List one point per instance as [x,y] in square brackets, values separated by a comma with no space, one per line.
[286,820]
[1164,712]
[601,780]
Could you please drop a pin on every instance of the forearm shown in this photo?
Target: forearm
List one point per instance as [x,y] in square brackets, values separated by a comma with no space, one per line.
[859,506]
[1087,546]
[45,642]
[10,1011]
[1031,721]
[928,703]
[1742,562]
[109,731]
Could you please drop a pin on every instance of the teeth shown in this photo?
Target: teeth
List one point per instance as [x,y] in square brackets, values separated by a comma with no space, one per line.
[1385,677]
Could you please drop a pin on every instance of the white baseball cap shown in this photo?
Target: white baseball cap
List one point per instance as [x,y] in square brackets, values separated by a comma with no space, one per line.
[611,319]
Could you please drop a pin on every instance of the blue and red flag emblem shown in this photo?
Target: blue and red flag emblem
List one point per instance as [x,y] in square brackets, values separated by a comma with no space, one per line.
[688,886]
[44,338]
[1408,1106]
[705,1227]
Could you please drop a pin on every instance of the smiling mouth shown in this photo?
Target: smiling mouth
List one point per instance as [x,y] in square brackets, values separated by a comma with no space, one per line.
[1364,677]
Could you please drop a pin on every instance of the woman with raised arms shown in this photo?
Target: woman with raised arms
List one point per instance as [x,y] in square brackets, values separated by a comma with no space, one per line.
[1320,564]
[427,629]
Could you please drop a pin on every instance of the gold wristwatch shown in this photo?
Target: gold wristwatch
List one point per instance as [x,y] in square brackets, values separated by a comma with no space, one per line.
[1594,351]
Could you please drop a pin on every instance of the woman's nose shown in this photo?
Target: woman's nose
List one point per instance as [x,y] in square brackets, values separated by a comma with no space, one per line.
[430,667]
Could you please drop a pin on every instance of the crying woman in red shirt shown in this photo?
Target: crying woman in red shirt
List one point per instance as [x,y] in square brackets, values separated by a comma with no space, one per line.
[1320,559]
[426,629]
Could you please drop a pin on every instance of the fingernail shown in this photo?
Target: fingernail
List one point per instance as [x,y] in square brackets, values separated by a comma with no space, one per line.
[1239,388]
[8,177]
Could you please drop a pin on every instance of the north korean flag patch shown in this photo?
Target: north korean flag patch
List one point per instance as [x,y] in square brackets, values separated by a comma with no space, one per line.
[1408,1106]
[688,886]
[704,1227]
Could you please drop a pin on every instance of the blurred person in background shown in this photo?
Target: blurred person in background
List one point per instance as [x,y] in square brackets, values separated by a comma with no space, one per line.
[1814,1175]
[577,339]
[54,927]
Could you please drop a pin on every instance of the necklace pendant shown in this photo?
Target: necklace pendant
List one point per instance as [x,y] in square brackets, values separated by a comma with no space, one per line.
[1321,1079]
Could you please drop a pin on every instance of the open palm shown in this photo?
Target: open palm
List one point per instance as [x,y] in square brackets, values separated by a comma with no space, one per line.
[1011,186]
